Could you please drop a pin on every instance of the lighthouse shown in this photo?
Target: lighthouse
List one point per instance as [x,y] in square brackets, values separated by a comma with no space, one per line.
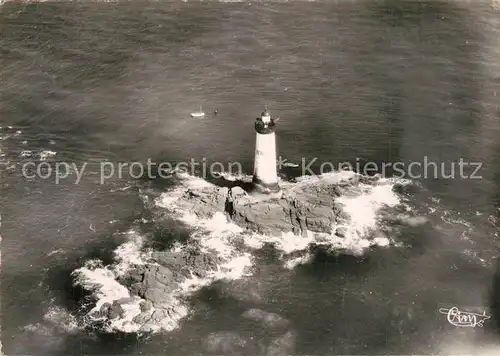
[265,175]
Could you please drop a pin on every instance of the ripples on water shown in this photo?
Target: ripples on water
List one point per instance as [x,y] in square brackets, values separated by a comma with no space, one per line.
[378,80]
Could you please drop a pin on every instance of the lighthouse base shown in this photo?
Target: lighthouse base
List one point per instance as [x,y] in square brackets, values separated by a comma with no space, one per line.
[264,188]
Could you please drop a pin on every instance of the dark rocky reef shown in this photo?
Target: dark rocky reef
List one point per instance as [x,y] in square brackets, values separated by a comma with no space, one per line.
[298,208]
[157,281]
[270,335]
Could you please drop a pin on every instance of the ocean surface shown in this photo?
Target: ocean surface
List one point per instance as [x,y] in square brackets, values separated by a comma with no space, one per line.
[368,81]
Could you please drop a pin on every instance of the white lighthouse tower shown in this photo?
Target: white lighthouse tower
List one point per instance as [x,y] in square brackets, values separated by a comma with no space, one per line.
[265,175]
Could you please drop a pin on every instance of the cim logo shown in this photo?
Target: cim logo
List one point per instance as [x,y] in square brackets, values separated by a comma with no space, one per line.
[464,319]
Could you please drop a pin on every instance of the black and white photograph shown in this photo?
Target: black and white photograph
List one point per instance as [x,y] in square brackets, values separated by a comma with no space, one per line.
[249,177]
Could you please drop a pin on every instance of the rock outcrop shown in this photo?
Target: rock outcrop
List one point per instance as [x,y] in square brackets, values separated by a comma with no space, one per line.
[270,336]
[298,209]
[157,281]
[266,319]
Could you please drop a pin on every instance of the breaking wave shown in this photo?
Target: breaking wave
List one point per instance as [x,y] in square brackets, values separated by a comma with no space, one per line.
[232,246]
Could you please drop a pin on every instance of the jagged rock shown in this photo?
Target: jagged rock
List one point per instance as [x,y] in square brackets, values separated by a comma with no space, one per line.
[270,320]
[103,311]
[116,310]
[341,231]
[188,261]
[204,202]
[142,318]
[158,315]
[225,343]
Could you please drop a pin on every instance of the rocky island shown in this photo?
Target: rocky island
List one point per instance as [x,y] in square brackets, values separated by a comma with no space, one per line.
[298,208]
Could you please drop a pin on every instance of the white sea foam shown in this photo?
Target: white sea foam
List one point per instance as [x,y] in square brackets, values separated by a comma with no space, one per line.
[234,177]
[129,253]
[326,178]
[223,238]
[218,236]
[363,207]
[462,229]
[448,217]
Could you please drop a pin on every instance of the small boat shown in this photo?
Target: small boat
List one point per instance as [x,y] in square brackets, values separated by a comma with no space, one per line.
[198,114]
